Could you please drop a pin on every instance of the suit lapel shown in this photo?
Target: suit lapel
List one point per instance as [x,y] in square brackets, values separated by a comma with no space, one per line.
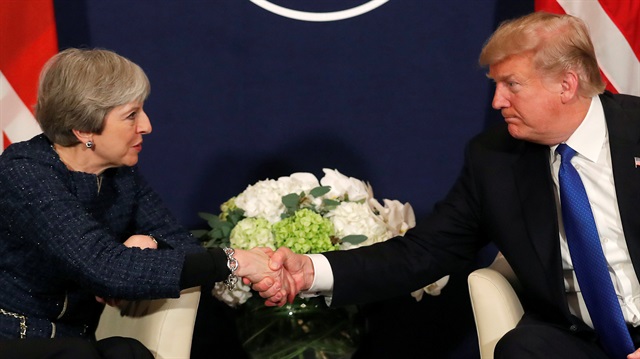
[624,135]
[535,188]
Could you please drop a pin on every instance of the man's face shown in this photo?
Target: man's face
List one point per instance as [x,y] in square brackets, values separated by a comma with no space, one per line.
[529,103]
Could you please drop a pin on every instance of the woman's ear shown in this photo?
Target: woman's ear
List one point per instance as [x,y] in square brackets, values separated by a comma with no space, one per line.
[84,137]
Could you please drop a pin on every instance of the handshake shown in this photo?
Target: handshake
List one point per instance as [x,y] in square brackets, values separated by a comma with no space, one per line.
[278,276]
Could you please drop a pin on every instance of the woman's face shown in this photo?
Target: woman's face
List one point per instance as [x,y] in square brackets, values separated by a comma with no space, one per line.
[121,140]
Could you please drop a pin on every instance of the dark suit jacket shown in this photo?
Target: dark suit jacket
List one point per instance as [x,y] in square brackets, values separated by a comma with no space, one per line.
[504,194]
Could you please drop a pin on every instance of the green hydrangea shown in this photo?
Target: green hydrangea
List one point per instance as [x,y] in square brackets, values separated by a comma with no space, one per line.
[227,207]
[252,232]
[305,232]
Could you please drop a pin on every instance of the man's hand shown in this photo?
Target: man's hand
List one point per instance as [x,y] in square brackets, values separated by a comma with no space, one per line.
[299,269]
[634,355]
[254,268]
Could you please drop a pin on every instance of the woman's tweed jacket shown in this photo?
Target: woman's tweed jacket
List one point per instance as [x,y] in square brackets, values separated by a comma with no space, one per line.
[60,242]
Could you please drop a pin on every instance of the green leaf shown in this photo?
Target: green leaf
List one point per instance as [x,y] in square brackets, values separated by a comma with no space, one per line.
[221,231]
[235,216]
[354,238]
[199,233]
[206,216]
[213,221]
[292,201]
[320,191]
[284,215]
[217,243]
[329,204]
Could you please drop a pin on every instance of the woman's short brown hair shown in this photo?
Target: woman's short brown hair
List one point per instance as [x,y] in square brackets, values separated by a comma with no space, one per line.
[558,43]
[78,88]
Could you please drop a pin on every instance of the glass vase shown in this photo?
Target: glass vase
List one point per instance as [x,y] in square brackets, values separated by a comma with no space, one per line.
[305,329]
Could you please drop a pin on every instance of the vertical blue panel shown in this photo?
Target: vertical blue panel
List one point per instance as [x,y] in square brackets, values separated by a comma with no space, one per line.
[240,94]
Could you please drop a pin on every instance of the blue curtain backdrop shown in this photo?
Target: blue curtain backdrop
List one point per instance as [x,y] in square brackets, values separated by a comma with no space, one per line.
[240,94]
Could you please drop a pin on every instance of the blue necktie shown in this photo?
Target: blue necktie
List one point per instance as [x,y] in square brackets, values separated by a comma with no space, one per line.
[589,262]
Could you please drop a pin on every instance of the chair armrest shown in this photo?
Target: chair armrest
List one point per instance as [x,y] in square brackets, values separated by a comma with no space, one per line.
[164,326]
[496,308]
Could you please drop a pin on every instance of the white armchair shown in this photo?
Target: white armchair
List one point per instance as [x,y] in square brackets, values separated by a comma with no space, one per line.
[164,326]
[496,306]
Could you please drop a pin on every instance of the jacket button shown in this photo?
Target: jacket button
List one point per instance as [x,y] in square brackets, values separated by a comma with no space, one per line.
[573,328]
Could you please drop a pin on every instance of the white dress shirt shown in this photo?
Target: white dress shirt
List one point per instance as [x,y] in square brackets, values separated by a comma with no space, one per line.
[593,163]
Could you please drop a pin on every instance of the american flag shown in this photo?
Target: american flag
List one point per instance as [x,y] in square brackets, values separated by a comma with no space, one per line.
[27,40]
[615,31]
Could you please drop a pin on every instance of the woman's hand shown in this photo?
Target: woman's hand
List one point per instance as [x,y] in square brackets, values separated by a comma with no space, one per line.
[141,241]
[253,267]
[138,241]
[108,301]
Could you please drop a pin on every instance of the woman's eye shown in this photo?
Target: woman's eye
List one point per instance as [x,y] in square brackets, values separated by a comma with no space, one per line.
[132,115]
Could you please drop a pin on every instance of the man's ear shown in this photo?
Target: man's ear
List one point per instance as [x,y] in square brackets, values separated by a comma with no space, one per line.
[570,82]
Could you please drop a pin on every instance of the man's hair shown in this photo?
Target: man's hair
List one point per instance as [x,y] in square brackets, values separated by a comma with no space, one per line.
[78,88]
[558,43]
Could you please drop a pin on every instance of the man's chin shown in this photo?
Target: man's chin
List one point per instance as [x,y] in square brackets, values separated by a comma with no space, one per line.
[514,131]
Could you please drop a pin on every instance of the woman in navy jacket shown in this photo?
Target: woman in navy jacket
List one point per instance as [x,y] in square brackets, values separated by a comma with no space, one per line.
[79,226]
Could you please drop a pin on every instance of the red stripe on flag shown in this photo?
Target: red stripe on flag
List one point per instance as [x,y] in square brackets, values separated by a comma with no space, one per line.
[609,85]
[625,14]
[27,40]
[548,6]
[5,141]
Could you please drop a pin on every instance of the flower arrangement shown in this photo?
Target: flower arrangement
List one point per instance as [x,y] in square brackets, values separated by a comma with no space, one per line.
[306,215]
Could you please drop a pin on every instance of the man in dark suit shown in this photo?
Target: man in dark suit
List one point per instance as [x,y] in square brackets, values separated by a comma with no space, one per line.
[550,93]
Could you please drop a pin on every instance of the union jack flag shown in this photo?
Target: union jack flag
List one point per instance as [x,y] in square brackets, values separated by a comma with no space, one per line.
[27,40]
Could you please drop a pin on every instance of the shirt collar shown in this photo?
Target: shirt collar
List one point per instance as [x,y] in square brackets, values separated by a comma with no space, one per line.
[589,137]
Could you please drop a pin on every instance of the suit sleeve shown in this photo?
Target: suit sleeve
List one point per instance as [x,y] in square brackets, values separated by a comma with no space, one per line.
[444,242]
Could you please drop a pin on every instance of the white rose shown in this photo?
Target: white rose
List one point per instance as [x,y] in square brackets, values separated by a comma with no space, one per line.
[303,181]
[261,200]
[239,295]
[433,289]
[352,218]
[341,186]
[398,217]
[264,198]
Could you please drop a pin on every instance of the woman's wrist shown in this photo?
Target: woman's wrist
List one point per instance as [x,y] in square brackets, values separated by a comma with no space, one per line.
[204,268]
[232,265]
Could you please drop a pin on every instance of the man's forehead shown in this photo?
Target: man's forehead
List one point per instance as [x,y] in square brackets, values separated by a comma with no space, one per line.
[500,73]
[511,66]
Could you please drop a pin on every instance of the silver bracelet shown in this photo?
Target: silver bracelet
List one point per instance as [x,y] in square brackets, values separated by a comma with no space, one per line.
[232,264]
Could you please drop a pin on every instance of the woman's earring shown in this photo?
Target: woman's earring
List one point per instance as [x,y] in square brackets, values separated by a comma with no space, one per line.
[89,144]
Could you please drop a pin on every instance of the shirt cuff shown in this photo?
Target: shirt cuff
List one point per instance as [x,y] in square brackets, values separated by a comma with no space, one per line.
[322,278]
